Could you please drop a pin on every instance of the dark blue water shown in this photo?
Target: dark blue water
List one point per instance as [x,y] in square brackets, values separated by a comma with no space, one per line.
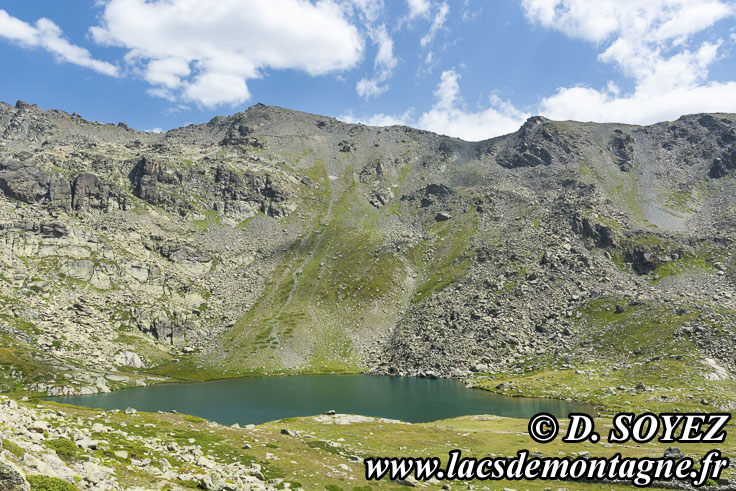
[260,399]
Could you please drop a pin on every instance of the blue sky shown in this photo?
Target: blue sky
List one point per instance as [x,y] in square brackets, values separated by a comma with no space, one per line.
[467,68]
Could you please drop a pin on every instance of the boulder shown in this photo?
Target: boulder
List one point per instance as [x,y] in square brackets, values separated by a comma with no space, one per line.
[24,181]
[128,359]
[89,192]
[601,235]
[168,331]
[203,461]
[39,426]
[12,478]
[87,443]
[674,453]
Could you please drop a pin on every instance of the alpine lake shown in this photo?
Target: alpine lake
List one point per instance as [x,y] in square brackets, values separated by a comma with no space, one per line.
[255,400]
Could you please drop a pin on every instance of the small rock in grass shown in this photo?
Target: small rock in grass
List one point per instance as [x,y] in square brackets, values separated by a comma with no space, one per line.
[674,453]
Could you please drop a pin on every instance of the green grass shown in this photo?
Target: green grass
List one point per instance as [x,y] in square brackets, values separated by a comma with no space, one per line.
[212,219]
[243,225]
[649,240]
[646,330]
[597,218]
[451,258]
[640,346]
[328,283]
[48,483]
[65,449]
[617,257]
[152,353]
[13,448]
[22,324]
[687,264]
[33,365]
[621,187]
[683,201]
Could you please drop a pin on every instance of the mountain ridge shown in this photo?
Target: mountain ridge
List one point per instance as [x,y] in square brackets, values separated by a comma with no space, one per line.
[276,241]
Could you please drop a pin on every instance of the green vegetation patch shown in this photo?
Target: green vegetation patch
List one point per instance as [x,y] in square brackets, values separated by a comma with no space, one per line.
[688,263]
[683,201]
[148,350]
[65,449]
[48,483]
[640,330]
[450,258]
[211,219]
[13,448]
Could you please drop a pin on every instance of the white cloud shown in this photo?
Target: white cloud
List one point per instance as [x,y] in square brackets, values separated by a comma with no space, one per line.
[370,87]
[384,65]
[651,42]
[448,115]
[47,35]
[640,107]
[211,88]
[418,8]
[205,52]
[469,14]
[437,24]
[370,9]
[385,58]
[380,119]
[167,72]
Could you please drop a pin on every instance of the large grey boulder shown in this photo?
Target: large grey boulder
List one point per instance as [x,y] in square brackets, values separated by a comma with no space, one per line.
[24,181]
[129,359]
[12,478]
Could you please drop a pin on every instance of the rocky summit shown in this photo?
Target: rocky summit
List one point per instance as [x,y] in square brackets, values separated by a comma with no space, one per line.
[274,241]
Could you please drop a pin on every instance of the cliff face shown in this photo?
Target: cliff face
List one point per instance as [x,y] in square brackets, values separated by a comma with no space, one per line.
[274,240]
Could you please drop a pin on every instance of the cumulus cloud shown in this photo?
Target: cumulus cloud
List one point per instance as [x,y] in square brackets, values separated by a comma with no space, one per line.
[205,52]
[449,116]
[47,35]
[384,65]
[650,42]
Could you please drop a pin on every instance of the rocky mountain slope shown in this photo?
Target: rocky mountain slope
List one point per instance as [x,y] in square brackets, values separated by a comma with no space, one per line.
[274,241]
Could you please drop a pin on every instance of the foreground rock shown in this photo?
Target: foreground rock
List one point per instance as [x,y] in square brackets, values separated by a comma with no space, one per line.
[69,449]
[12,478]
